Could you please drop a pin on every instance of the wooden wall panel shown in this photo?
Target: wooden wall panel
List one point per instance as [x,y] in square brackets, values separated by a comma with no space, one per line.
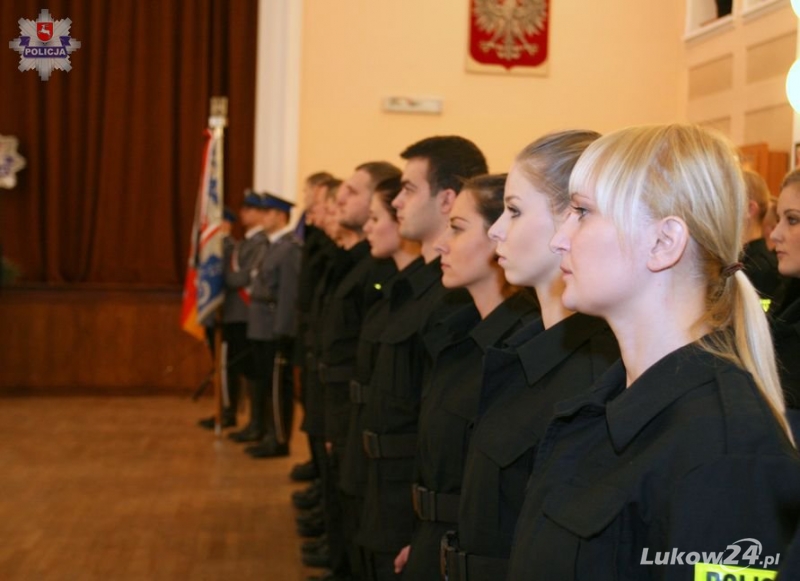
[87,340]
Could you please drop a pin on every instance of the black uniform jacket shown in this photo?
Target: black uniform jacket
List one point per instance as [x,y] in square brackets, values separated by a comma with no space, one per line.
[785,321]
[449,407]
[339,331]
[317,250]
[336,263]
[688,460]
[392,412]
[761,267]
[354,463]
[522,384]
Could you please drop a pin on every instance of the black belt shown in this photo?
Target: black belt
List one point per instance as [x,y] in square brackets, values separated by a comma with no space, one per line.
[359,393]
[389,445]
[335,374]
[434,506]
[457,565]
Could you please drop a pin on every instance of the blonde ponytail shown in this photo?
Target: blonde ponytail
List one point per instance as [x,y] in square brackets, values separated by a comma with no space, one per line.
[689,172]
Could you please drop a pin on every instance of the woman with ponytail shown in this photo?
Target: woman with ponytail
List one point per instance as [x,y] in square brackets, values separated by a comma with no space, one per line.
[680,457]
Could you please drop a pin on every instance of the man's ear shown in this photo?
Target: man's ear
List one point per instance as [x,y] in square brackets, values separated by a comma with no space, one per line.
[668,241]
[446,200]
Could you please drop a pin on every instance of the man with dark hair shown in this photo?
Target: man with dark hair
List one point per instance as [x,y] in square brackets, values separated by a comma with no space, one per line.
[432,178]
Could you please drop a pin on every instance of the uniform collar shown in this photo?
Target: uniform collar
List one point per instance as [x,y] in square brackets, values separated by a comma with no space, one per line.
[664,382]
[546,350]
[490,330]
[359,250]
[424,278]
[253,231]
[278,234]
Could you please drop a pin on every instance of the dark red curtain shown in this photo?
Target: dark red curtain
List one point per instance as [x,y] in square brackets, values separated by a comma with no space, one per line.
[113,147]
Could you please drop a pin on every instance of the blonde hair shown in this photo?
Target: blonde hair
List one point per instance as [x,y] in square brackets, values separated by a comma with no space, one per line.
[757,191]
[547,163]
[691,173]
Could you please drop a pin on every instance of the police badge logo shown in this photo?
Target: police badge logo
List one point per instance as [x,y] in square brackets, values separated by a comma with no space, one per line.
[44,31]
[37,48]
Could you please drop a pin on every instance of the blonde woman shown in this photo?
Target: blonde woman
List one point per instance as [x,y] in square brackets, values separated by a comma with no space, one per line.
[680,456]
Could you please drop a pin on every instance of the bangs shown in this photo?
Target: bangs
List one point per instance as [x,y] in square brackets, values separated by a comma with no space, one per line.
[616,170]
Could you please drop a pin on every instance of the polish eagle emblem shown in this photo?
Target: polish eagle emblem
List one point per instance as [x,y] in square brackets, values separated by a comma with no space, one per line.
[510,23]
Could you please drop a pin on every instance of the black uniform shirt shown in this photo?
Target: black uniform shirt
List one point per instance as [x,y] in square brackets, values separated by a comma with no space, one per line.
[416,304]
[340,328]
[354,463]
[785,320]
[450,401]
[522,384]
[688,459]
[449,407]
[761,267]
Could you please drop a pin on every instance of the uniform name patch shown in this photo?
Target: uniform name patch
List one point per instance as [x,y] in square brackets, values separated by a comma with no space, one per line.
[714,572]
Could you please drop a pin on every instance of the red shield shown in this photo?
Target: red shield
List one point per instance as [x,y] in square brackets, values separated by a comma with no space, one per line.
[44,31]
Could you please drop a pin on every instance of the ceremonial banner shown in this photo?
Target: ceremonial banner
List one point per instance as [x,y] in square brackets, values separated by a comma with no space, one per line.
[509,37]
[203,288]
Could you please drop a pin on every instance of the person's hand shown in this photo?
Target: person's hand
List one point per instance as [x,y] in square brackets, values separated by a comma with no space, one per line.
[401,559]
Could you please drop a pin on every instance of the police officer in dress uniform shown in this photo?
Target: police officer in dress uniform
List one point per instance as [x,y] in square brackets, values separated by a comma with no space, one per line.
[677,465]
[559,354]
[432,178]
[238,357]
[272,326]
[238,281]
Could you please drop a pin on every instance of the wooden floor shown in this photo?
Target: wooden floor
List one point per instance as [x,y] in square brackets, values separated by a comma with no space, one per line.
[119,488]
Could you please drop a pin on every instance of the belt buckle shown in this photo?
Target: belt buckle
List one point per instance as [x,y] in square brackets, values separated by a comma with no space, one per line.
[448,549]
[372,446]
[424,503]
[355,395]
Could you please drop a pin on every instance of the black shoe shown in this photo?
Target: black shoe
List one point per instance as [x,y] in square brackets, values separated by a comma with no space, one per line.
[322,549]
[321,559]
[249,434]
[312,529]
[308,498]
[268,448]
[313,545]
[304,472]
[210,423]
[310,515]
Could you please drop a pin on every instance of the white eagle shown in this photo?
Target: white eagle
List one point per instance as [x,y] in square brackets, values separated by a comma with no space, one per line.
[510,22]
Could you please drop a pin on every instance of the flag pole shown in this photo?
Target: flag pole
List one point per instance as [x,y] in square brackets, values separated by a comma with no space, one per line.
[217,121]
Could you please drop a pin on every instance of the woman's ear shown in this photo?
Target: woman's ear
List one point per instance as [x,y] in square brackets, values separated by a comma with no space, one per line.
[670,237]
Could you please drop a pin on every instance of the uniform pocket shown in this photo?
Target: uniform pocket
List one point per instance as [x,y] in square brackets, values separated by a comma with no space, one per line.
[591,516]
[584,511]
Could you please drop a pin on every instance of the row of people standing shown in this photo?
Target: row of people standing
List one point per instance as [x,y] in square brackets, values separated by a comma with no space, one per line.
[476,412]
[464,399]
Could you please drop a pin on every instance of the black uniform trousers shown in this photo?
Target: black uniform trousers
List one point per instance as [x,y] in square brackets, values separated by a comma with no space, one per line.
[272,407]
